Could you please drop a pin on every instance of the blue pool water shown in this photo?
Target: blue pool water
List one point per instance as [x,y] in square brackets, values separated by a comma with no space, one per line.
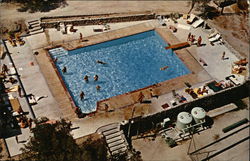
[133,62]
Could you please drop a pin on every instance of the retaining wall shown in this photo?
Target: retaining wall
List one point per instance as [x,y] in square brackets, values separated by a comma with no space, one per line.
[96,21]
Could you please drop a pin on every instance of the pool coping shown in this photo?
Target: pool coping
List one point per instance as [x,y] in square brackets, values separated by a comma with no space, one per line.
[164,33]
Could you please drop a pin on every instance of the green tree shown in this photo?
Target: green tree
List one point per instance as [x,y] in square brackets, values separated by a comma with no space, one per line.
[200,2]
[53,142]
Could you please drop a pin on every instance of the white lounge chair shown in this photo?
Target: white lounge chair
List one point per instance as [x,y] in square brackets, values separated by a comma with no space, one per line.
[234,80]
[212,34]
[198,23]
[12,71]
[215,38]
[32,100]
[191,18]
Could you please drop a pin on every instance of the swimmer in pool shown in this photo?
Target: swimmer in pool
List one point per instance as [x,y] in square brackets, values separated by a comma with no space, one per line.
[64,70]
[100,62]
[163,68]
[86,78]
[98,87]
[96,78]
[82,95]
[55,59]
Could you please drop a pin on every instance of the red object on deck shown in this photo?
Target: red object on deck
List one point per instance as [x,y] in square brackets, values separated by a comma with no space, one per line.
[176,46]
[165,106]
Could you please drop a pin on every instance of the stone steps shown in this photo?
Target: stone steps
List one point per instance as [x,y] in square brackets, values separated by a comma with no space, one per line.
[34,27]
[116,143]
[114,139]
[113,135]
[110,132]
[123,150]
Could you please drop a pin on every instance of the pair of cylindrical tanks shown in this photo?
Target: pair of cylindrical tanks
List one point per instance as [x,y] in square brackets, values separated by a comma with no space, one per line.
[184,119]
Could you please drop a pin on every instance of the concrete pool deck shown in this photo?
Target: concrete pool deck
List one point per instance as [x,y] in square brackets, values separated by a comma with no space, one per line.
[41,79]
[198,73]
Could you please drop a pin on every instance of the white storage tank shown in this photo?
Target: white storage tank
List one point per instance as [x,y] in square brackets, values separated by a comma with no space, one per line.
[184,120]
[198,114]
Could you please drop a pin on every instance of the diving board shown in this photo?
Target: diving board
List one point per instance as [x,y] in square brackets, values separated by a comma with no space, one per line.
[177,46]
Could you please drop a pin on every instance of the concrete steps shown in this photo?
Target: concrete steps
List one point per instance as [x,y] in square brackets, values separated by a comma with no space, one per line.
[110,132]
[115,139]
[34,27]
[122,150]
[113,135]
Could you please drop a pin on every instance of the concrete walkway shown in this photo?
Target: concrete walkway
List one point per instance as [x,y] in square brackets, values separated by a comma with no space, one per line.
[35,83]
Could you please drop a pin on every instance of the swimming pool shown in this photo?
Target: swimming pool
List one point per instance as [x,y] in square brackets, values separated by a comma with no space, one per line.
[133,62]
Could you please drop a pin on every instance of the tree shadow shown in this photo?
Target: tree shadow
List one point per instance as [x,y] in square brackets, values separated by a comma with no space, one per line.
[40,5]
[208,12]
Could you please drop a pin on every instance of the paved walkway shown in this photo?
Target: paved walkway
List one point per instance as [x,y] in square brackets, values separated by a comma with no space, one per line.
[35,83]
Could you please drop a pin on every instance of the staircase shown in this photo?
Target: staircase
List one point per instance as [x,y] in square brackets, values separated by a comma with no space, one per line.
[34,27]
[115,139]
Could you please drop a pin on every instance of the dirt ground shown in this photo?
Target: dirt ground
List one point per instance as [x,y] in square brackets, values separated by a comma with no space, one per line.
[3,151]
[157,149]
[234,28]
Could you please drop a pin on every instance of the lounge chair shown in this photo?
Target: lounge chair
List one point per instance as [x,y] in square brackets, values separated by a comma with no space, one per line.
[71,28]
[196,92]
[32,100]
[106,27]
[212,34]
[233,79]
[198,23]
[213,85]
[215,38]
[185,16]
[13,88]
[191,19]
[15,104]
[12,71]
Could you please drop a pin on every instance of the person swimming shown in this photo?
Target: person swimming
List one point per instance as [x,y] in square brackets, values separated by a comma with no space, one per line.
[86,78]
[55,59]
[96,78]
[64,70]
[98,87]
[82,95]
[163,68]
[100,62]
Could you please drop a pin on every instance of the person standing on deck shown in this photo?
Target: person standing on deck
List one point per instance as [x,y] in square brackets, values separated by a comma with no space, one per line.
[189,36]
[5,69]
[199,41]
[80,36]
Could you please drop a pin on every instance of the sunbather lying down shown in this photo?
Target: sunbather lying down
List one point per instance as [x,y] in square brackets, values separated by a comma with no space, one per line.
[224,84]
[241,62]
[239,69]
[34,99]
[13,89]
[191,92]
